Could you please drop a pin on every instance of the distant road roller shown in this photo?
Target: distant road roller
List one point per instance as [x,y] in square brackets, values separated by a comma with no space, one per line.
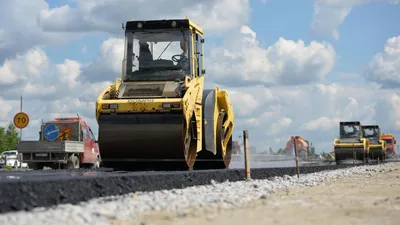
[351,144]
[158,113]
[377,147]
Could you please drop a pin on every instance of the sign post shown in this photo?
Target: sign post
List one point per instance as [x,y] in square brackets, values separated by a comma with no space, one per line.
[21,120]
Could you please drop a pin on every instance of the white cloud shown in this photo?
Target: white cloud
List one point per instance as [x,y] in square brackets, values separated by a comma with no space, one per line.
[108,64]
[330,14]
[312,112]
[384,68]
[4,109]
[19,30]
[388,109]
[242,61]
[107,15]
[322,124]
[69,72]
[23,67]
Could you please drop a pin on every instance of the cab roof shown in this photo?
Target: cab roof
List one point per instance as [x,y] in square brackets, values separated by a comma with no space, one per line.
[64,120]
[162,24]
[350,123]
[370,126]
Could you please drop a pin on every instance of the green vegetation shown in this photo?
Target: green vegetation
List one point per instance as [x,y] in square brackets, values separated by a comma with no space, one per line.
[8,138]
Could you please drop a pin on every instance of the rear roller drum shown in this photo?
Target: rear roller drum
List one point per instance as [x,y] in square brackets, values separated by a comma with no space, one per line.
[222,159]
[190,145]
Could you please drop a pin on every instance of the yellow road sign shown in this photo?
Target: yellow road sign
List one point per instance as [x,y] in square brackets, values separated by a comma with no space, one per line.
[21,120]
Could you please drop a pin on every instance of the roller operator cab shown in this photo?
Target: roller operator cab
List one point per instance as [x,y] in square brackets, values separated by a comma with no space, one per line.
[377,147]
[158,112]
[351,144]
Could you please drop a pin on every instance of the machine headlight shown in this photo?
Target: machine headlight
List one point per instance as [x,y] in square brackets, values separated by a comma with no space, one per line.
[171,105]
[109,106]
[139,25]
[173,24]
[113,106]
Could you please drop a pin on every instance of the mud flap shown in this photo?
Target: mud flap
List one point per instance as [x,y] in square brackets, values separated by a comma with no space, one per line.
[208,102]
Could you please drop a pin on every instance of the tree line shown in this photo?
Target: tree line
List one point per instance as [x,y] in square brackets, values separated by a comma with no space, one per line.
[8,138]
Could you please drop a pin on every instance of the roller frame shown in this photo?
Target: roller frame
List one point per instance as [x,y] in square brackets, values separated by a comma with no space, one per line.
[198,107]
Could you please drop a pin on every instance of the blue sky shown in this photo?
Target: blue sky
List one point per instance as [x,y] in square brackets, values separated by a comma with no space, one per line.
[363,33]
[272,112]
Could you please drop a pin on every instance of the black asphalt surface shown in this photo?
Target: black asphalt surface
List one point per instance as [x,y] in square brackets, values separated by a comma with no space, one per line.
[30,189]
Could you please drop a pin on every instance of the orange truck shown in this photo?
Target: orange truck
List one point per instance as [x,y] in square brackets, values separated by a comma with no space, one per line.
[390,144]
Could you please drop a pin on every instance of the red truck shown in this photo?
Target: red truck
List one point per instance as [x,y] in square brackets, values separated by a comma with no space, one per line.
[64,143]
[390,144]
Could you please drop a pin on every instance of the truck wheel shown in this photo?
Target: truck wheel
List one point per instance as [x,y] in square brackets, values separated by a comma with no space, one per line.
[96,164]
[73,162]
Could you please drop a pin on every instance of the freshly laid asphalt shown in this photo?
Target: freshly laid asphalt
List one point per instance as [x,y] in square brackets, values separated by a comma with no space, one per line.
[26,190]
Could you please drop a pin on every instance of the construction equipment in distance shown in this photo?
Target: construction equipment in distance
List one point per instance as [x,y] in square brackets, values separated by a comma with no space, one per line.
[377,147]
[390,144]
[351,144]
[65,143]
[301,147]
[159,111]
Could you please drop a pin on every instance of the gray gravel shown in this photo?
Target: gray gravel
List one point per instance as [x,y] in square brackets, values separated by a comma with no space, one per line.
[217,195]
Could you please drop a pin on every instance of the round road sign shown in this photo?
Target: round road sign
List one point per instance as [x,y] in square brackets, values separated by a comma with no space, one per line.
[51,132]
[21,120]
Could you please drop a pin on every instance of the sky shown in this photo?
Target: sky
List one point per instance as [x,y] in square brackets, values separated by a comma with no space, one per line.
[290,67]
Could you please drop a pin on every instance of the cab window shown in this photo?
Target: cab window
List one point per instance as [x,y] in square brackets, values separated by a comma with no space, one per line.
[91,134]
[85,133]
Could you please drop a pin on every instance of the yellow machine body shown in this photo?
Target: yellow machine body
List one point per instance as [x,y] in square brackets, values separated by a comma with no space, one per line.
[159,112]
[351,144]
[377,147]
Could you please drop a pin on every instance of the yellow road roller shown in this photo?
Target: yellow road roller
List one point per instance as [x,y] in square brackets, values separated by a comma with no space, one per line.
[377,147]
[158,113]
[351,144]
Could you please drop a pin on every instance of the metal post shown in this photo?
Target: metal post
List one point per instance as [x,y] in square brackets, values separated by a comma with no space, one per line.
[297,158]
[79,128]
[354,157]
[20,156]
[20,130]
[246,154]
[41,131]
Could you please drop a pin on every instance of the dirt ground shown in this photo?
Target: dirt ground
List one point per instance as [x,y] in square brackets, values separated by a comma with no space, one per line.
[360,199]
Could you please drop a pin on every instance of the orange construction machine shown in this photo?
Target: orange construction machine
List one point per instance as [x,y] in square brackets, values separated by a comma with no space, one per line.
[390,144]
[301,146]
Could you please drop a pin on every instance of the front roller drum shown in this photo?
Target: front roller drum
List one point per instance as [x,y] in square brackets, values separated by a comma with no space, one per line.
[377,153]
[350,154]
[147,142]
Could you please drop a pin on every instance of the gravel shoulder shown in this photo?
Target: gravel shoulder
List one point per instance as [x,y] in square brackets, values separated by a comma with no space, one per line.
[368,194]
[371,197]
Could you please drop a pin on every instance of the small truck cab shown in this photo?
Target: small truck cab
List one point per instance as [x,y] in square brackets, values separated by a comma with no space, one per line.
[390,144]
[64,143]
